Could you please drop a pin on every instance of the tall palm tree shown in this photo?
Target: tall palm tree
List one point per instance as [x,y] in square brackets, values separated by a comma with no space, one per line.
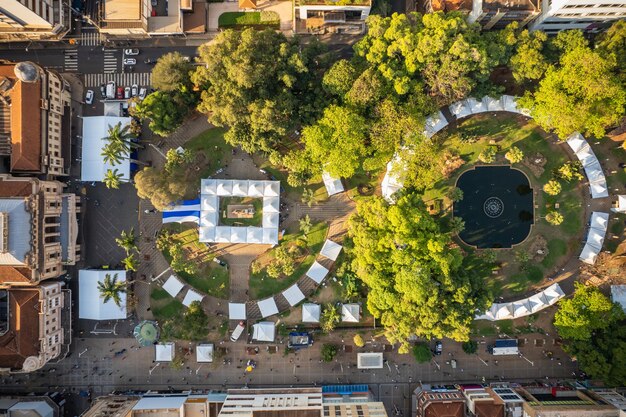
[119,145]
[114,153]
[127,240]
[111,289]
[122,135]
[131,263]
[112,179]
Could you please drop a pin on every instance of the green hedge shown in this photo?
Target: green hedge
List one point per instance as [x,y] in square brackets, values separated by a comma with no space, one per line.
[264,18]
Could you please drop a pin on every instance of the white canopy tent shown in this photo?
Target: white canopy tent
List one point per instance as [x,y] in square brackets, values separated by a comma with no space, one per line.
[369,360]
[91,305]
[255,188]
[434,123]
[222,234]
[206,234]
[350,313]
[595,238]
[191,297]
[268,307]
[271,188]
[589,254]
[523,307]
[237,311]
[165,352]
[493,104]
[599,189]
[271,205]
[460,109]
[311,313]
[599,221]
[593,169]
[576,142]
[204,353]
[331,250]
[476,106]
[317,272]
[224,188]
[293,295]
[270,236]
[93,167]
[254,235]
[270,220]
[240,188]
[263,331]
[391,182]
[208,218]
[509,103]
[173,286]
[208,187]
[238,235]
[333,185]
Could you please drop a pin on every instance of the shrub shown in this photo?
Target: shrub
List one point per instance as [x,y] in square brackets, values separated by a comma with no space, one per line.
[552,187]
[470,347]
[329,318]
[358,340]
[554,218]
[449,163]
[422,353]
[329,351]
[570,171]
[455,194]
[488,155]
[514,155]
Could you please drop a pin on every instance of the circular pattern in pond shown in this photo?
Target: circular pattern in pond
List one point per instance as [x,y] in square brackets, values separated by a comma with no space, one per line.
[497,206]
[493,207]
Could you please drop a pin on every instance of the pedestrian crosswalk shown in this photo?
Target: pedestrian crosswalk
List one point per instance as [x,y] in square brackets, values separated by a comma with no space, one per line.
[70,60]
[111,60]
[142,79]
[90,38]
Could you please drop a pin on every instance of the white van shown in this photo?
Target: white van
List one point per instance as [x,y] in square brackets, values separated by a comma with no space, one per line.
[238,331]
[111,89]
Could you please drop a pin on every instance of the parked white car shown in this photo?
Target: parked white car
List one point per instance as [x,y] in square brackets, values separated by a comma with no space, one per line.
[89,97]
[130,61]
[131,52]
[134,90]
[142,93]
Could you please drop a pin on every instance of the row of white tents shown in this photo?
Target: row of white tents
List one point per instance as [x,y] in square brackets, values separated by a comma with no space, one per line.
[173,286]
[166,352]
[392,181]
[597,181]
[294,295]
[524,307]
[598,225]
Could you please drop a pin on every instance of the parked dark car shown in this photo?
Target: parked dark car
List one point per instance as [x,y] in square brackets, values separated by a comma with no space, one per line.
[438,347]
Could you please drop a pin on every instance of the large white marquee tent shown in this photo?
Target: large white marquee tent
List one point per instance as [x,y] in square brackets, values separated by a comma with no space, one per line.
[524,307]
[597,181]
[333,185]
[598,225]
[91,305]
[93,166]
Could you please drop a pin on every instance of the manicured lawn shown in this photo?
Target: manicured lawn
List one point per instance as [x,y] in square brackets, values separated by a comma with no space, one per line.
[255,220]
[556,249]
[262,285]
[160,294]
[211,278]
[228,19]
[168,310]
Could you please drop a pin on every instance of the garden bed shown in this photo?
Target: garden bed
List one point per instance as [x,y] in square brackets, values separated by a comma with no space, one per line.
[237,20]
[210,278]
[262,285]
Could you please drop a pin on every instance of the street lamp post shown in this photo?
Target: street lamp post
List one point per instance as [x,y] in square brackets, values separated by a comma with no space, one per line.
[154,367]
[198,370]
[83,352]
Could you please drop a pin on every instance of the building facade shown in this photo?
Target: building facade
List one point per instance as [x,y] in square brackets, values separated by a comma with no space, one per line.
[563,401]
[439,401]
[38,230]
[30,406]
[587,15]
[34,322]
[495,14]
[319,16]
[35,120]
[34,20]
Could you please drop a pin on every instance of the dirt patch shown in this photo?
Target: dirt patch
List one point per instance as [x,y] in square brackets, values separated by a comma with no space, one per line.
[538,248]
[536,163]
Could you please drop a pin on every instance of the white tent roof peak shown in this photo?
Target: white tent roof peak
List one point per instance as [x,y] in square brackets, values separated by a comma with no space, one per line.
[95,129]
[263,331]
[317,272]
[331,250]
[165,352]
[271,188]
[173,286]
[204,353]
[311,313]
[237,311]
[350,313]
[268,307]
[293,295]
[191,297]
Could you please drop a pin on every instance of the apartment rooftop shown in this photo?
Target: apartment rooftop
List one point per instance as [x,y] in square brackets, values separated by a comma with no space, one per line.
[518,5]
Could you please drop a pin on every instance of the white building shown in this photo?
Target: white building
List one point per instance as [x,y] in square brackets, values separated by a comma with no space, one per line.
[319,16]
[586,15]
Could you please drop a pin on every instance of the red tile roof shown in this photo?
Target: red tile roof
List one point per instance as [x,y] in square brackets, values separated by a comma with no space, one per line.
[22,339]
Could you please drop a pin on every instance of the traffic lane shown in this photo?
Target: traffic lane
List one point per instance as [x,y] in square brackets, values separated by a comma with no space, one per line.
[50,58]
[154,53]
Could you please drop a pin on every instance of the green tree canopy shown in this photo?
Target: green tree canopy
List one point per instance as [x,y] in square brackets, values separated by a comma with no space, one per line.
[612,43]
[594,333]
[588,311]
[418,284]
[161,188]
[581,93]
[171,71]
[260,84]
[529,61]
[165,110]
[440,48]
